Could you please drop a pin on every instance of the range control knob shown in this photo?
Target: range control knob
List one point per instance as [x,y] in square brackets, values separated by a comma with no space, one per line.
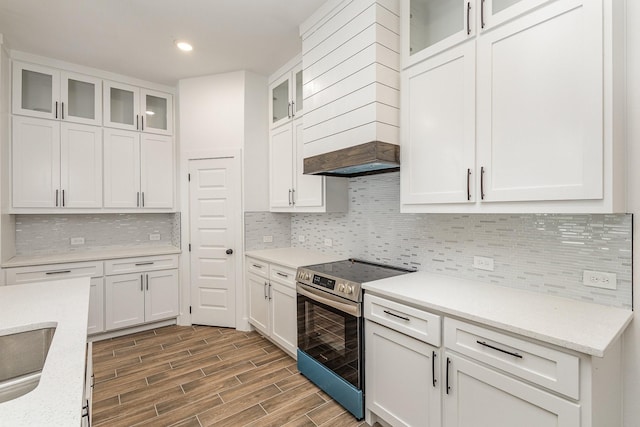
[349,289]
[340,287]
[307,276]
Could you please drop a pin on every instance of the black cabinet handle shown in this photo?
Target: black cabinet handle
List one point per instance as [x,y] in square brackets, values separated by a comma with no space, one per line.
[62,110]
[269,291]
[63,198]
[143,199]
[433,368]
[142,283]
[282,274]
[468,184]
[448,365]
[482,13]
[293,109]
[137,122]
[147,281]
[468,18]
[145,263]
[482,183]
[397,315]
[56,109]
[142,122]
[257,266]
[265,290]
[58,272]
[56,198]
[510,353]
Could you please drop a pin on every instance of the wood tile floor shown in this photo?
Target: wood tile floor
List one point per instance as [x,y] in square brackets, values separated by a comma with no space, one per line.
[203,376]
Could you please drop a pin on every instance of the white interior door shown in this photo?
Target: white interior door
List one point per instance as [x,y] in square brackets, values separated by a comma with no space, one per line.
[215,213]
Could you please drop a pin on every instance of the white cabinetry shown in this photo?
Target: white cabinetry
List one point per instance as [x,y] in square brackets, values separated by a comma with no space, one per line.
[407,391]
[49,93]
[272,302]
[286,97]
[87,400]
[150,292]
[138,170]
[543,136]
[56,165]
[42,273]
[132,108]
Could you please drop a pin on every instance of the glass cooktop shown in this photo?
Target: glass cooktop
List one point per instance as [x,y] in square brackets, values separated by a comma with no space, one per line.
[357,271]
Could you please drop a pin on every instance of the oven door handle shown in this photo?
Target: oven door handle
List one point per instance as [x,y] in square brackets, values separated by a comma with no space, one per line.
[335,302]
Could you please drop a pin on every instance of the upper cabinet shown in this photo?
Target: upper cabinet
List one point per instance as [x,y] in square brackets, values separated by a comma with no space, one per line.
[49,93]
[286,97]
[512,106]
[132,108]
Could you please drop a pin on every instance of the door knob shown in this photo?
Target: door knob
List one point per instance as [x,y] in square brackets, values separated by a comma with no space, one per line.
[229,251]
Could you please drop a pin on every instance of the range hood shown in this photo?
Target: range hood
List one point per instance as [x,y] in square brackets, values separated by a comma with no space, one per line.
[351,88]
[365,159]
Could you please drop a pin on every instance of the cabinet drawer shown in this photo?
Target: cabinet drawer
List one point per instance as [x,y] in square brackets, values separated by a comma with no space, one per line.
[533,362]
[284,275]
[134,265]
[255,266]
[402,318]
[42,273]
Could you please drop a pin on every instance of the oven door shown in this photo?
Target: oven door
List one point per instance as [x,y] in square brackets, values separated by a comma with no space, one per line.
[330,332]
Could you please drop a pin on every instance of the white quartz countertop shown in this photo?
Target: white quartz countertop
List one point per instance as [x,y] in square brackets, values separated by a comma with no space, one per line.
[57,400]
[293,257]
[581,326]
[90,255]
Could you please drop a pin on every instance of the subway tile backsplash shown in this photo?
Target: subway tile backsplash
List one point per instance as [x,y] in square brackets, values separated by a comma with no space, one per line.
[260,224]
[44,234]
[538,252]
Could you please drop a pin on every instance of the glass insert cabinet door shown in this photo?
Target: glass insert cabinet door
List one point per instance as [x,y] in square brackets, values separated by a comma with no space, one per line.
[121,106]
[81,98]
[35,91]
[281,101]
[156,112]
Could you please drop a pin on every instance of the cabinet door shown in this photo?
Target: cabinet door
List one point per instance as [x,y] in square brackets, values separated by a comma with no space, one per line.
[96,306]
[438,129]
[429,27]
[121,169]
[162,295]
[481,397]
[405,392]
[540,105]
[281,167]
[35,163]
[280,101]
[257,287]
[496,12]
[156,112]
[309,189]
[121,106]
[284,329]
[81,98]
[156,171]
[297,106]
[35,91]
[124,301]
[81,166]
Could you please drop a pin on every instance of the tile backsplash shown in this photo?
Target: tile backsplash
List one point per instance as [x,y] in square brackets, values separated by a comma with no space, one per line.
[539,252]
[43,234]
[260,224]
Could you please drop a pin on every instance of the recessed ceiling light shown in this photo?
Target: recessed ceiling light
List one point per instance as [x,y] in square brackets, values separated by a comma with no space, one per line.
[149,113]
[184,46]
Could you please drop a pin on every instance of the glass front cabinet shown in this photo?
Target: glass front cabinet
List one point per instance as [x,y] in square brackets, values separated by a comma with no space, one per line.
[132,108]
[286,98]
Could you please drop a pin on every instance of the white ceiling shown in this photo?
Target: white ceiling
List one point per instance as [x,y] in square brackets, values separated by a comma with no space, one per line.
[136,37]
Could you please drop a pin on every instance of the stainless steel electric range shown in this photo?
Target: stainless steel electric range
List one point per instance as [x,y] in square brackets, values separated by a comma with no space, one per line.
[330,326]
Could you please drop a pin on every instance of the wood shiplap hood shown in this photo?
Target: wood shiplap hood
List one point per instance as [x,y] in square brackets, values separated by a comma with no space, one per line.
[351,88]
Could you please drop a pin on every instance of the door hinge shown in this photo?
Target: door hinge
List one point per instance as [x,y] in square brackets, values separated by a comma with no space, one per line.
[189,309]
[189,247]
[189,177]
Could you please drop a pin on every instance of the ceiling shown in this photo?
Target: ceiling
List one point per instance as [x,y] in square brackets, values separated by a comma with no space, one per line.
[136,37]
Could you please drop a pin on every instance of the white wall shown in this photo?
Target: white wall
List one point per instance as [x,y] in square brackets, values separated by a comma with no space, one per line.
[632,336]
[256,144]
[211,112]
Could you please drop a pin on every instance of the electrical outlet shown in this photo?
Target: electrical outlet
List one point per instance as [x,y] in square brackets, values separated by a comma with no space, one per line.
[598,279]
[328,242]
[77,241]
[267,239]
[301,238]
[154,236]
[483,263]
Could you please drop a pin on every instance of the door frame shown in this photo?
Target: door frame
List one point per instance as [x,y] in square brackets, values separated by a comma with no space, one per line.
[242,322]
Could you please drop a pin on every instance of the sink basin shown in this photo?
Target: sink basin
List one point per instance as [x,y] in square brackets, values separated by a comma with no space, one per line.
[22,358]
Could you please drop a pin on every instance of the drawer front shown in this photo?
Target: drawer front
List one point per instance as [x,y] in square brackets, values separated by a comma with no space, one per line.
[43,273]
[258,267]
[410,321]
[136,265]
[550,368]
[284,275]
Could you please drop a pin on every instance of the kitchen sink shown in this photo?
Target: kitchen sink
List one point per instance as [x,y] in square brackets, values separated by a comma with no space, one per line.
[22,358]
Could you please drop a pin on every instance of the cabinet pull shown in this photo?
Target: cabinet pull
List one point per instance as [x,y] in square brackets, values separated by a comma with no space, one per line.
[265,290]
[142,283]
[269,291]
[58,272]
[282,274]
[293,196]
[257,266]
[62,110]
[482,183]
[143,199]
[56,198]
[481,13]
[468,184]
[397,315]
[289,197]
[433,368]
[448,365]
[289,110]
[137,124]
[510,353]
[56,109]
[142,122]
[147,281]
[145,263]
[293,109]
[86,414]
[63,198]
[468,17]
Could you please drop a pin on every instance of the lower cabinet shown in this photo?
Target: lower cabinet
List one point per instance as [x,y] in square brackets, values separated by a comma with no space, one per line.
[87,397]
[272,302]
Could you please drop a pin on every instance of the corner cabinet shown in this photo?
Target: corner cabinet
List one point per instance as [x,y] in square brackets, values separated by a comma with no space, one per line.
[289,189]
[517,131]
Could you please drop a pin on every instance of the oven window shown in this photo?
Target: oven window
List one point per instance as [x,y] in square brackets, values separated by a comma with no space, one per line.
[331,337]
